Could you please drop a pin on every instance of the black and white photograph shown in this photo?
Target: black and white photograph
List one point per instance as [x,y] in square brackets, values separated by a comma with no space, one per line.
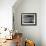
[28,18]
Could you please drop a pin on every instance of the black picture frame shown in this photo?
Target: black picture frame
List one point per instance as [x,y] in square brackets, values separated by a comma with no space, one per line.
[29,19]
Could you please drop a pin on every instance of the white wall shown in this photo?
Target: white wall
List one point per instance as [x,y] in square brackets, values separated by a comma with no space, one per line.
[30,32]
[43,22]
[6,13]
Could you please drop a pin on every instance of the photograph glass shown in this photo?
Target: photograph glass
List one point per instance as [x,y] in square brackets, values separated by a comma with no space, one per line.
[28,19]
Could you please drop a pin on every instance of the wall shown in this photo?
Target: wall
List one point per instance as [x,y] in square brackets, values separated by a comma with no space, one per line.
[43,22]
[6,13]
[29,32]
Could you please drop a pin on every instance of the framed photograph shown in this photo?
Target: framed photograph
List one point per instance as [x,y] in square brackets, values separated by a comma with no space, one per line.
[28,19]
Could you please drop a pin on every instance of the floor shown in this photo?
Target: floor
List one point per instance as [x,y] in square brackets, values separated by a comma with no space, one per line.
[9,43]
[16,41]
